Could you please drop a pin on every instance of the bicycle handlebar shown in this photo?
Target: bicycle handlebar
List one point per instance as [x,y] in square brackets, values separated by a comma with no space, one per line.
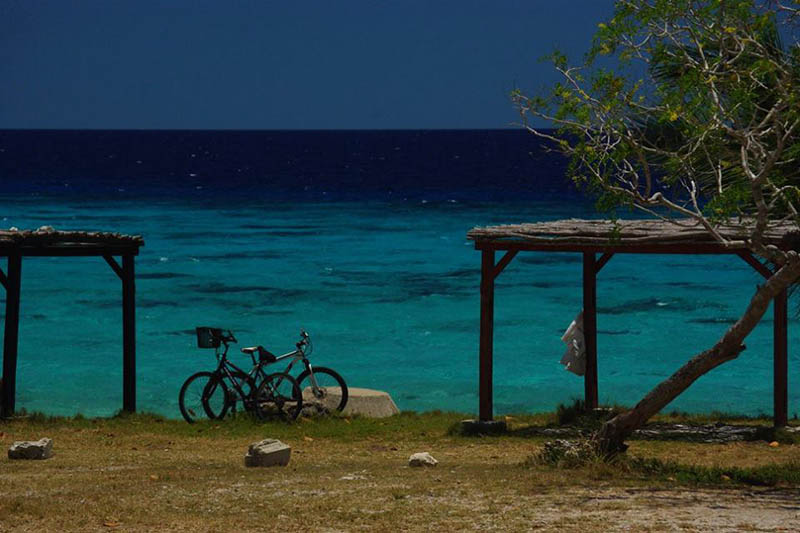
[305,342]
[227,336]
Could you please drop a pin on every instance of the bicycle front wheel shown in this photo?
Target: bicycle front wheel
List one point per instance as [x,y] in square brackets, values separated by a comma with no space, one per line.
[203,394]
[330,392]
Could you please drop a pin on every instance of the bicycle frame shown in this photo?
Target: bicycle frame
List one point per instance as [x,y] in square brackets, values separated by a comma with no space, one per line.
[225,369]
[298,355]
[225,365]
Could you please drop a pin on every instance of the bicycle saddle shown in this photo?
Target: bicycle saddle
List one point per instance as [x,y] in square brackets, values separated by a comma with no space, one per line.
[263,354]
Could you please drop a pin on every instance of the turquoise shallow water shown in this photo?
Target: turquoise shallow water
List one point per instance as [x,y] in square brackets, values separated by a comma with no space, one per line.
[389,292]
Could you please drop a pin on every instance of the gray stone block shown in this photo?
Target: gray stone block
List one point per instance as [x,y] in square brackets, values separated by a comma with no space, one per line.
[268,452]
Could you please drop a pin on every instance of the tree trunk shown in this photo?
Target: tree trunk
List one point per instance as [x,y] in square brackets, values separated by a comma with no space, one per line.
[610,439]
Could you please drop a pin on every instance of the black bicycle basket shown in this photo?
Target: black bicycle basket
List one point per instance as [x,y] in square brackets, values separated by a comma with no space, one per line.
[208,337]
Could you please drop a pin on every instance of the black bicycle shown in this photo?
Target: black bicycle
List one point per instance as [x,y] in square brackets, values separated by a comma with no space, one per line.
[217,393]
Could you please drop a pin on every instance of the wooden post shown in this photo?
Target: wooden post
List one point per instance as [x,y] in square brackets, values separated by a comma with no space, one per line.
[485,410]
[590,329]
[780,361]
[128,335]
[11,337]
[780,347]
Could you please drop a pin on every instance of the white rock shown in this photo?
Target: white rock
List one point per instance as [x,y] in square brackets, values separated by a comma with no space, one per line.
[268,452]
[422,459]
[25,449]
[45,229]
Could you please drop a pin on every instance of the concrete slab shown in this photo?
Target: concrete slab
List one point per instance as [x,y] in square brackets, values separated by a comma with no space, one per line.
[370,403]
[364,402]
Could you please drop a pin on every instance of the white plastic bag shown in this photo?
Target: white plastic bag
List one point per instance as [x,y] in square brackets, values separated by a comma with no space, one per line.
[574,359]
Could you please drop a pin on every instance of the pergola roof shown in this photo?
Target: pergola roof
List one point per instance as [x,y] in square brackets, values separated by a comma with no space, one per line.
[46,241]
[635,236]
[591,237]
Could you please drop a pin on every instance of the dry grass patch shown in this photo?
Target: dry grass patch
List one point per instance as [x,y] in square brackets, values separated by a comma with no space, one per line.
[748,454]
[144,474]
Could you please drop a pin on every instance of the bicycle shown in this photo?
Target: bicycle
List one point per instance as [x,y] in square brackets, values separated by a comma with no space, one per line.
[215,393]
[322,388]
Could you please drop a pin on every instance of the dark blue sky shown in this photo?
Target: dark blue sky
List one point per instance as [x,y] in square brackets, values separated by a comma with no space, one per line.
[340,64]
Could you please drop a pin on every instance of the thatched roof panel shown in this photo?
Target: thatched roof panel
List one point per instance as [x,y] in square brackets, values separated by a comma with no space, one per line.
[46,239]
[624,235]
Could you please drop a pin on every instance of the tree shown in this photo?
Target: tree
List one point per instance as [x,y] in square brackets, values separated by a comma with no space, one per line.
[688,109]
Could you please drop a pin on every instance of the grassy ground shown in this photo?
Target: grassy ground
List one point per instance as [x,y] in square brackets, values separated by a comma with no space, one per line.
[143,473]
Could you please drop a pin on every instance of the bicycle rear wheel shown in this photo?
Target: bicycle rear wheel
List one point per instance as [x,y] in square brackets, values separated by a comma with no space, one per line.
[203,395]
[331,393]
[278,396]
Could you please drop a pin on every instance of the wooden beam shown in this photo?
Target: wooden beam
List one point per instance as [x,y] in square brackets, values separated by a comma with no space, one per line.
[590,329]
[757,265]
[3,279]
[667,248]
[11,336]
[128,334]
[602,262]
[114,266]
[485,408]
[503,263]
[67,251]
[780,360]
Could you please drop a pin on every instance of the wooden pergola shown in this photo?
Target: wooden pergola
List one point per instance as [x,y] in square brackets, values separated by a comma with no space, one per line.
[593,237]
[45,242]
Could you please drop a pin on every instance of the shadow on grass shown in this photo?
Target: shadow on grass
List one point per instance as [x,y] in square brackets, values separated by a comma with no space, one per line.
[574,421]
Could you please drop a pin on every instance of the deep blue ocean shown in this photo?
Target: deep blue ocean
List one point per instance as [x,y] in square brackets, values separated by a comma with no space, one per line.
[360,238]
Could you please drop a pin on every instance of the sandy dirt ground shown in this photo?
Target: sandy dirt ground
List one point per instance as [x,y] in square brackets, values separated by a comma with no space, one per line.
[637,509]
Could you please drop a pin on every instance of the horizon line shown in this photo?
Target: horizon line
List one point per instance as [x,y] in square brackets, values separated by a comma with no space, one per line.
[257,130]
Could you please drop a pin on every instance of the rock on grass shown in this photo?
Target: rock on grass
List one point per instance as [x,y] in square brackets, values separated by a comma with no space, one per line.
[422,459]
[268,452]
[40,449]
